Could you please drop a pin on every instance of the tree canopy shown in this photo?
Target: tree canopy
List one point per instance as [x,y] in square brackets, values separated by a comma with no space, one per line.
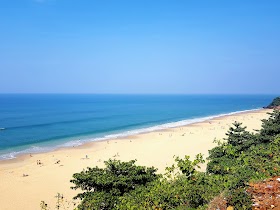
[241,158]
[103,186]
[274,103]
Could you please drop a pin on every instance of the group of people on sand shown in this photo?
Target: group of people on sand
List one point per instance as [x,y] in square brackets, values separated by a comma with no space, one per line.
[39,162]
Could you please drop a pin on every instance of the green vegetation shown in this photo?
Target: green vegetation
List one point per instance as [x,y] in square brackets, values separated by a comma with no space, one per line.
[241,158]
[274,103]
[104,187]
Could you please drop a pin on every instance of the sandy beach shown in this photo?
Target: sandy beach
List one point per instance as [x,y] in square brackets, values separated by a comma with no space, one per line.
[25,183]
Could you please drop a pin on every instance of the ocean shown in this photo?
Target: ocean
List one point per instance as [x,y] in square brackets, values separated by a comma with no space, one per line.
[32,123]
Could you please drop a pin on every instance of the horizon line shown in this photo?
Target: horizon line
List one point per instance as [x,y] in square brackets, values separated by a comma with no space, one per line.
[30,93]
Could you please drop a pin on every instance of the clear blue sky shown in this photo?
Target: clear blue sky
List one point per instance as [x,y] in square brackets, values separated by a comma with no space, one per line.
[139,46]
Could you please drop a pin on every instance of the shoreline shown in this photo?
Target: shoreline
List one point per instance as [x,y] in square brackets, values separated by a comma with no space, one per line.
[121,135]
[157,149]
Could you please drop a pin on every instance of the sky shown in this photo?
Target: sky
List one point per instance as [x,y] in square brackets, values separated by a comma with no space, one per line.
[140,46]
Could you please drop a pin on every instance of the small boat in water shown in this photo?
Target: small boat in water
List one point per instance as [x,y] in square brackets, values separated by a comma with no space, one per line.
[1,129]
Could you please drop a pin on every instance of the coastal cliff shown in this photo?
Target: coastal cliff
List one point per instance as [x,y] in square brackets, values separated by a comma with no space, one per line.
[275,104]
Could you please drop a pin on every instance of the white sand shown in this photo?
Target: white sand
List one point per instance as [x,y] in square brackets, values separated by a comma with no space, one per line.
[151,149]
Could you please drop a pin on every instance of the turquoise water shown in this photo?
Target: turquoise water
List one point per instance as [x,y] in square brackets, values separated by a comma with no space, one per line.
[41,122]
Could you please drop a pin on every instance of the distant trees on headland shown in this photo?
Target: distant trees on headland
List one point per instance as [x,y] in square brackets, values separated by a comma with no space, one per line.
[275,103]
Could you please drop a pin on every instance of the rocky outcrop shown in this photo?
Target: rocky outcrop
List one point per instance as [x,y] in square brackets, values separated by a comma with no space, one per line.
[266,194]
[272,107]
[275,104]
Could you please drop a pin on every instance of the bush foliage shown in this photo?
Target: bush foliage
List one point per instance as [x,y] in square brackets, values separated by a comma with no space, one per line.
[103,187]
[241,158]
[274,103]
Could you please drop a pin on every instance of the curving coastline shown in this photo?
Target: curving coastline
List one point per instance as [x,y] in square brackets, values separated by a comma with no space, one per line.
[155,148]
[35,149]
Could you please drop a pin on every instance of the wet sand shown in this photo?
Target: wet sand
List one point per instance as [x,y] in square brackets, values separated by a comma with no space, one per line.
[25,182]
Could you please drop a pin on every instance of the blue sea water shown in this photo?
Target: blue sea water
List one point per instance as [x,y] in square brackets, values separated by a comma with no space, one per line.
[32,123]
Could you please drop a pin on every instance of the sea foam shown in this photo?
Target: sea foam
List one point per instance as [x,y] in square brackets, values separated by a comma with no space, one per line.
[74,143]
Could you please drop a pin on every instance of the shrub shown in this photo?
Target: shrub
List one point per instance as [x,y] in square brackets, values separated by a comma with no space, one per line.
[241,158]
[103,187]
